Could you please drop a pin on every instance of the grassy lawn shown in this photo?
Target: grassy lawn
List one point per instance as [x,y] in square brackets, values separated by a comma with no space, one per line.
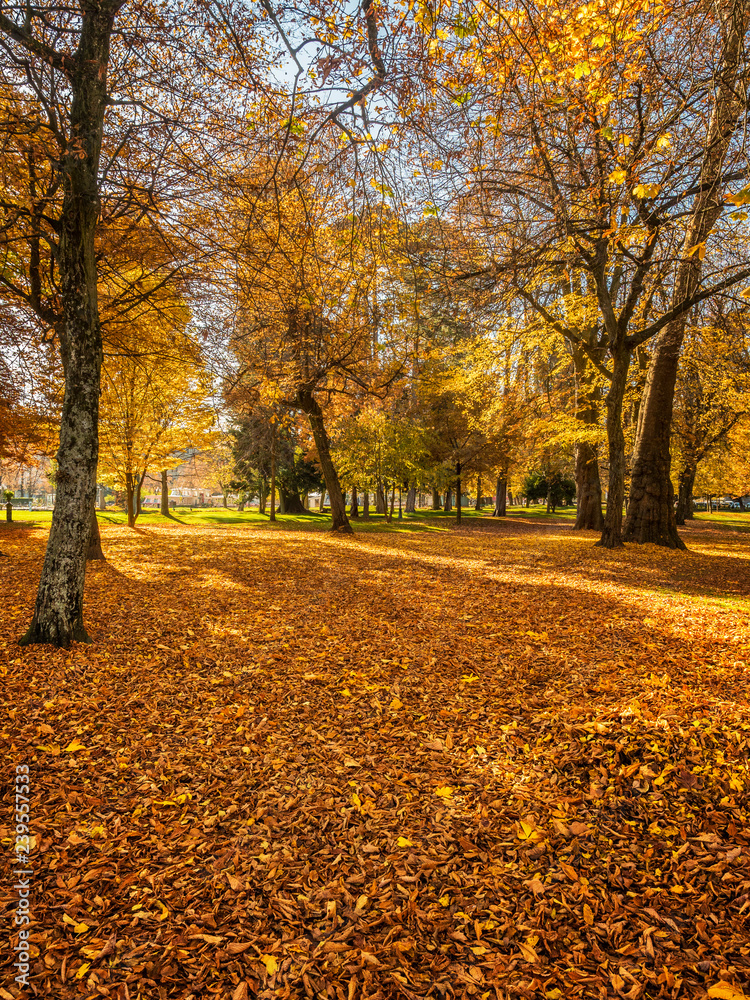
[312,521]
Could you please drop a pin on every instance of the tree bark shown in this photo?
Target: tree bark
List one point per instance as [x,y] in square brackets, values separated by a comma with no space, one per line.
[272,510]
[435,499]
[501,496]
[381,503]
[393,501]
[366,506]
[354,508]
[448,500]
[309,404]
[612,532]
[411,500]
[130,498]
[95,550]
[686,480]
[291,503]
[58,613]
[458,493]
[588,488]
[651,514]
[588,483]
[164,501]
[478,504]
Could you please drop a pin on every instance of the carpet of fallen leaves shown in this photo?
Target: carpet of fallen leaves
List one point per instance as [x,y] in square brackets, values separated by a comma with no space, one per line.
[493,762]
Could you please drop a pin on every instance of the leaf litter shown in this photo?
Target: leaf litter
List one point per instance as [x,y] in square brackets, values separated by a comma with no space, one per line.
[484,763]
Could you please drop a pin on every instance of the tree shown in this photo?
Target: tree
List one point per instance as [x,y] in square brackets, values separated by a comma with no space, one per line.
[308,269]
[80,71]
[584,168]
[153,407]
[382,447]
[651,515]
[712,396]
[256,441]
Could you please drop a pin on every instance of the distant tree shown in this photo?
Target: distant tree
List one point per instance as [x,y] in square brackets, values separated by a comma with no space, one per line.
[556,488]
[257,444]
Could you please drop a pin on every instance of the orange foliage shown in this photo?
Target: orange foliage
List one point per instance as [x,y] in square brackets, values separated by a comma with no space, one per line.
[499,761]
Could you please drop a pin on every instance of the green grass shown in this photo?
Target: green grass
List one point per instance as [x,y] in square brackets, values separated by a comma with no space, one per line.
[422,520]
[735,520]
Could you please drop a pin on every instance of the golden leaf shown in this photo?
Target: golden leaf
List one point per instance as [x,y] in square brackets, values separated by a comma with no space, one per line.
[527,832]
[725,991]
[270,963]
[444,792]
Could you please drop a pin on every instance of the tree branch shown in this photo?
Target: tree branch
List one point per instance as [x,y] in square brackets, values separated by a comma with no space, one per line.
[58,60]
[682,307]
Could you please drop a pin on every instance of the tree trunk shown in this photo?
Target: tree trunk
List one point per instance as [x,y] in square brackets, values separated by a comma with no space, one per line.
[95,550]
[588,488]
[411,500]
[310,405]
[448,500]
[393,501]
[612,532]
[435,499]
[400,505]
[381,504]
[130,498]
[549,499]
[262,494]
[501,496]
[366,506]
[684,510]
[651,514]
[588,483]
[58,613]
[291,503]
[101,501]
[164,503]
[458,493]
[138,495]
[272,510]
[354,508]
[478,504]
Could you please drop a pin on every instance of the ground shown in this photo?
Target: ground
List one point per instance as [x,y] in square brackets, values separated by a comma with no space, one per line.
[491,762]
